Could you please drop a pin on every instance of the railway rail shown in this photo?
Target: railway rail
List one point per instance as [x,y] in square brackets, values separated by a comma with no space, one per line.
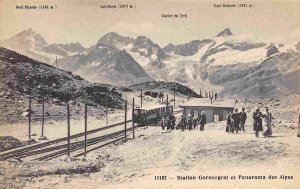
[59,147]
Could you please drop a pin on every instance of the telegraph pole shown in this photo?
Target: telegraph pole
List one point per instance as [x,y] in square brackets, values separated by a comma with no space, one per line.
[141,99]
[106,108]
[43,115]
[56,62]
[68,123]
[125,129]
[85,129]
[133,119]
[29,119]
[174,98]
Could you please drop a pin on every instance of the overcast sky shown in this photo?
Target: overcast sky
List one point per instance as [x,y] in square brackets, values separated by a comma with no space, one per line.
[85,22]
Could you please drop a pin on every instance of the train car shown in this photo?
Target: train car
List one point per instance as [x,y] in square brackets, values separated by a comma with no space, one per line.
[151,114]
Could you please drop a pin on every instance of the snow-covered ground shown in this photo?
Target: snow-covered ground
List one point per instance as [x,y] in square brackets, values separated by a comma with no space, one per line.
[135,163]
[58,129]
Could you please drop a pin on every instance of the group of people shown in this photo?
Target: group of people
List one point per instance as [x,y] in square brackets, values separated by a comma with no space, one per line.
[236,121]
[184,123]
[191,123]
[168,122]
[257,122]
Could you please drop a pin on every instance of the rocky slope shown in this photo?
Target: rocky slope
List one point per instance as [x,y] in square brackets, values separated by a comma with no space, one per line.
[21,76]
[164,86]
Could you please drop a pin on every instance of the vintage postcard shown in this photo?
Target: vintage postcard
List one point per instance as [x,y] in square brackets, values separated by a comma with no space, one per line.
[149,94]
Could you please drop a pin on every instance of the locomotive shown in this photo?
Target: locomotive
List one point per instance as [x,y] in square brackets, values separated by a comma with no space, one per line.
[151,114]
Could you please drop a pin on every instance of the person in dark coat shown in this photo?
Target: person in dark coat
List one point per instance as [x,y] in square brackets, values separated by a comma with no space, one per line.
[190,123]
[172,118]
[235,121]
[202,120]
[163,123]
[257,121]
[243,118]
[229,122]
[183,122]
[168,123]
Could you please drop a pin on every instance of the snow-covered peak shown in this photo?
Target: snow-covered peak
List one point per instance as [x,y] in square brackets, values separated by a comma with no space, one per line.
[225,33]
[27,39]
[142,41]
[169,48]
[113,40]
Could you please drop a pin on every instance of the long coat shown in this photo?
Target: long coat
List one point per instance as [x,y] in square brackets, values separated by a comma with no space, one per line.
[202,119]
[257,121]
[235,119]
[243,117]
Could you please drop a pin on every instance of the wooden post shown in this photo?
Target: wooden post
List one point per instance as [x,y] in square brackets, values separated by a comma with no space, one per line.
[298,134]
[141,99]
[174,98]
[56,62]
[29,119]
[43,115]
[106,108]
[125,128]
[167,100]
[85,129]
[68,123]
[133,119]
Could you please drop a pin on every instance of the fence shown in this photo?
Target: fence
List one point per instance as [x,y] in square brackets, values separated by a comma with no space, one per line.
[35,114]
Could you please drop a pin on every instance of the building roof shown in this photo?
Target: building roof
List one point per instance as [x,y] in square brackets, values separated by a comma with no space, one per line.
[154,106]
[206,102]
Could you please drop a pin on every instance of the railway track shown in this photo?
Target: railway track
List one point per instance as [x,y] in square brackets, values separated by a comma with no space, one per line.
[58,147]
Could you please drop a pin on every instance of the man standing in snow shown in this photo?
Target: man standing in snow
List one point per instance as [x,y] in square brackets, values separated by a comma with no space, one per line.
[168,123]
[190,123]
[236,121]
[162,123]
[172,118]
[183,122]
[202,121]
[257,121]
[229,122]
[243,117]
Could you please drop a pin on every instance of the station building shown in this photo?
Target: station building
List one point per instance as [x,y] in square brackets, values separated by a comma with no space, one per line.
[215,110]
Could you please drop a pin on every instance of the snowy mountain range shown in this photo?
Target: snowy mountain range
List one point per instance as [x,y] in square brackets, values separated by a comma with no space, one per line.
[32,44]
[226,62]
